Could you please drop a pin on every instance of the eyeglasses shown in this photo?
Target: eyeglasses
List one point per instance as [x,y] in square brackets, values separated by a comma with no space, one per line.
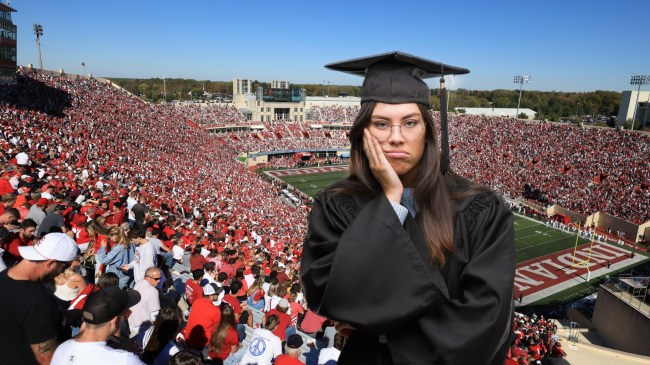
[156,279]
[411,129]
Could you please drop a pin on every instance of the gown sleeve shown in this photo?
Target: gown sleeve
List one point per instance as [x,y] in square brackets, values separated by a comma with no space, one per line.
[358,267]
[474,326]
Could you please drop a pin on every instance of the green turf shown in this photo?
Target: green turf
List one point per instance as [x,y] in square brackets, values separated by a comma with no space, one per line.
[533,239]
[312,184]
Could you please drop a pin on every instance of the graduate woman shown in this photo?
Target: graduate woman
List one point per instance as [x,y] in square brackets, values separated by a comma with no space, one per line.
[414,261]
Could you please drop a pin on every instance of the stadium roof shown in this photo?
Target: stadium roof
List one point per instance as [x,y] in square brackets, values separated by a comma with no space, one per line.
[6,7]
[497,112]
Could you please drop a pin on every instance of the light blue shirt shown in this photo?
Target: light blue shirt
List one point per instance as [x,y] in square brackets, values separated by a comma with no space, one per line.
[406,206]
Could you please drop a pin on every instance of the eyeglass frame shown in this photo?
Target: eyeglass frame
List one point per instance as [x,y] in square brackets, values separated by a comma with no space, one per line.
[372,125]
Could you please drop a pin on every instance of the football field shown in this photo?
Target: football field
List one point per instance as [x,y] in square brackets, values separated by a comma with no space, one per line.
[311,184]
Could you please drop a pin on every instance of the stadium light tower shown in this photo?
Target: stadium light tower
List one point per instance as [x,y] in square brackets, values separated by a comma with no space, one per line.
[521,80]
[38,31]
[638,80]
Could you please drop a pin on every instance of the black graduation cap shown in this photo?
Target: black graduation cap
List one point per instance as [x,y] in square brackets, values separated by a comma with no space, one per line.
[396,78]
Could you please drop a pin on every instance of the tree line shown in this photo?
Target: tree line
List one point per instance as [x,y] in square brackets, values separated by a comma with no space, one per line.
[549,105]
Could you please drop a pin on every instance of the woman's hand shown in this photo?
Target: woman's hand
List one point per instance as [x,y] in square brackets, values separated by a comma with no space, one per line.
[381,168]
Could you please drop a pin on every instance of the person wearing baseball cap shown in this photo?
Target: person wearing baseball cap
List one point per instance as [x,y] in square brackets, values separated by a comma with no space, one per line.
[204,317]
[30,314]
[102,314]
[291,351]
[280,311]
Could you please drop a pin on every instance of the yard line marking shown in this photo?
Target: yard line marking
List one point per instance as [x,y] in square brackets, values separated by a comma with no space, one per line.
[541,244]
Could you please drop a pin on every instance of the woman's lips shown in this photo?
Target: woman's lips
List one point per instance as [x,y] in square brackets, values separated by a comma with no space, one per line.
[396,154]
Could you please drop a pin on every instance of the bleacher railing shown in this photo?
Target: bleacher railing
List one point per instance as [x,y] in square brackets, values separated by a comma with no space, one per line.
[633,290]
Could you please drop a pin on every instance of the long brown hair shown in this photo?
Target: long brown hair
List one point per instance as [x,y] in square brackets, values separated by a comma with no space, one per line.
[165,329]
[434,192]
[219,335]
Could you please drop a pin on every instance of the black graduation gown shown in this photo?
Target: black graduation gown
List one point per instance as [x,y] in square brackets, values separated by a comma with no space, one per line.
[360,265]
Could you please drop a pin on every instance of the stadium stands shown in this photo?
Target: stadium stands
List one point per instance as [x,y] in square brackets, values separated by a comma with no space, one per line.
[92,141]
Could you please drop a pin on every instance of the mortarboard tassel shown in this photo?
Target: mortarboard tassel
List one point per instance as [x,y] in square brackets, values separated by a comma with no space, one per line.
[444,138]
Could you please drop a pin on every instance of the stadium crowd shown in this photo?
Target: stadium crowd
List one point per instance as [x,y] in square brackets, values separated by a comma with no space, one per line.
[582,169]
[535,342]
[335,113]
[138,188]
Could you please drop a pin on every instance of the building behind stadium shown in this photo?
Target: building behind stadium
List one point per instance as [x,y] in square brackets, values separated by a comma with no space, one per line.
[7,44]
[282,102]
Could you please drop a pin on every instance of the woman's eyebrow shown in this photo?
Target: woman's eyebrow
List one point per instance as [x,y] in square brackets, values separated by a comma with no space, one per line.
[387,118]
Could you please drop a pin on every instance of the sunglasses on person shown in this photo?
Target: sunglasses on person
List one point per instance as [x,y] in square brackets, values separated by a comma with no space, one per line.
[156,279]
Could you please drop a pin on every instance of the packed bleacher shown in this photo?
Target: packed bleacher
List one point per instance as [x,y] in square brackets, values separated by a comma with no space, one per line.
[208,114]
[535,342]
[335,113]
[582,169]
[118,170]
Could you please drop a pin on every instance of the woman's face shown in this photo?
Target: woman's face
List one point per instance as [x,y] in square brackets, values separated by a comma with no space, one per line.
[403,154]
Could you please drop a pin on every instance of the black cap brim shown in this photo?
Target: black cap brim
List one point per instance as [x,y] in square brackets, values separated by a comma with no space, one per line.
[134,298]
[358,66]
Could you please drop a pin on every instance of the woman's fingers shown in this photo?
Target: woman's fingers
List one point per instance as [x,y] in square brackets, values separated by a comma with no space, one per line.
[381,168]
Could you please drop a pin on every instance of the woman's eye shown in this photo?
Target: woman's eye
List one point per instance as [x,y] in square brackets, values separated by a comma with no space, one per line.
[411,123]
[380,125]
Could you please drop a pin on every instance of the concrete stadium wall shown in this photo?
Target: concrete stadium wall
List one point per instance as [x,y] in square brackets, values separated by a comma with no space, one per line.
[620,324]
[644,231]
[555,209]
[605,221]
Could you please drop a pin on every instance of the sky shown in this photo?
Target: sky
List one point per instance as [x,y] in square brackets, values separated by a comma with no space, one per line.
[563,45]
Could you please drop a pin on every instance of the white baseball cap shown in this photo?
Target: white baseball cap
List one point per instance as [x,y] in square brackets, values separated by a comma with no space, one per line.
[54,246]
[212,288]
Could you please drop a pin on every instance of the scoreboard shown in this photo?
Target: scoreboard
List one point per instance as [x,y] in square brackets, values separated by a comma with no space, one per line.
[281,95]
